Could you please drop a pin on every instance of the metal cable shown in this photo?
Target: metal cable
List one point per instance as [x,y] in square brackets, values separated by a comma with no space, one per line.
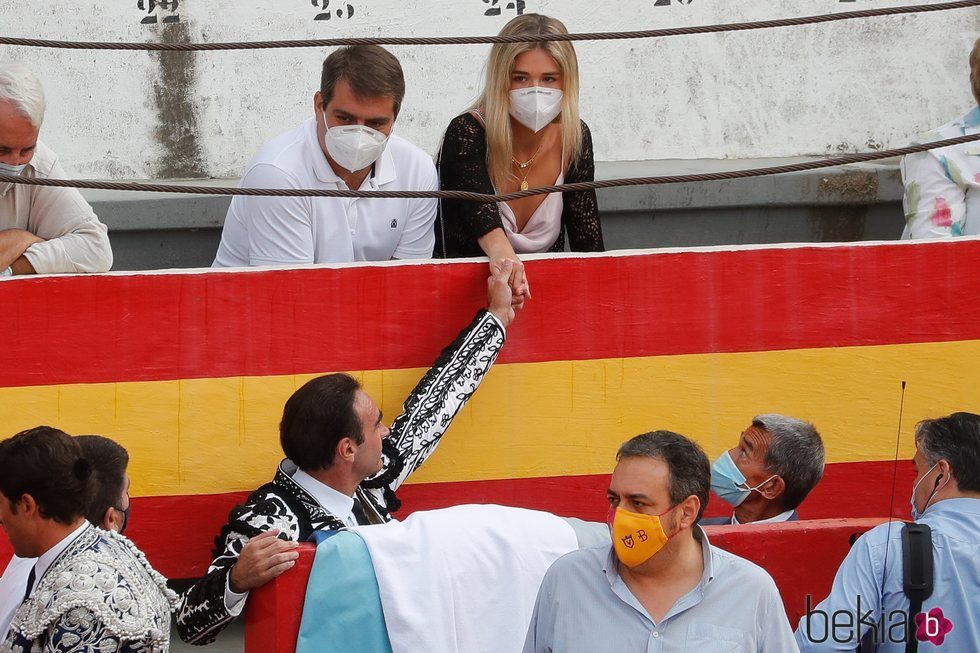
[474,40]
[486,198]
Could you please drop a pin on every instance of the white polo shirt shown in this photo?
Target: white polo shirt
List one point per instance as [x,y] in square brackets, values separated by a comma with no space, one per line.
[297,230]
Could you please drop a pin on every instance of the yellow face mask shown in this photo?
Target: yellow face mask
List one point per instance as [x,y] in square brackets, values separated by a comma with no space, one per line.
[636,537]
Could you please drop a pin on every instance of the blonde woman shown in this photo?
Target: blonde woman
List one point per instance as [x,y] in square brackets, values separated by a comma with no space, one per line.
[523,132]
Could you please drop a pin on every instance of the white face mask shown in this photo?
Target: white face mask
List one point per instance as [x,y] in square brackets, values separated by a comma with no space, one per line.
[916,513]
[535,107]
[354,147]
[16,171]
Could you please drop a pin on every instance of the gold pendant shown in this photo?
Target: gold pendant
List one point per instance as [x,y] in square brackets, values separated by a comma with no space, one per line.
[524,185]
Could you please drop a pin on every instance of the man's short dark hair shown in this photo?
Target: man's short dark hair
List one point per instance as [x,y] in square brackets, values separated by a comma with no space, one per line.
[795,452]
[317,417]
[109,461]
[955,439]
[48,465]
[690,470]
[370,70]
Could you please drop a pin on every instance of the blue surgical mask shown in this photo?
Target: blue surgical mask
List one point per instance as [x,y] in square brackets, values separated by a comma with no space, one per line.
[729,483]
[14,171]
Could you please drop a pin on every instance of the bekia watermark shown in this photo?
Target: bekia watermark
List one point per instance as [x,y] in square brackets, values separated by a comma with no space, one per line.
[843,626]
[932,626]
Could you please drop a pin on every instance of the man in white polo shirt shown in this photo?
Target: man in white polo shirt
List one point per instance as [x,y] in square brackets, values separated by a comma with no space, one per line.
[346,145]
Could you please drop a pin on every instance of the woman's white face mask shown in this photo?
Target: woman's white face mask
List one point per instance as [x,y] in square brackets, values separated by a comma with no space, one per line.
[354,147]
[535,107]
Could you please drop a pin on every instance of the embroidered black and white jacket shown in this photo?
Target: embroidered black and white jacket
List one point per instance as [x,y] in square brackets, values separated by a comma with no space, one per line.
[100,594]
[282,504]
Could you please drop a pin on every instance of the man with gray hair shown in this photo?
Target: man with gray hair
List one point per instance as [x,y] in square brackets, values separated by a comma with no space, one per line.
[893,594]
[777,462]
[43,230]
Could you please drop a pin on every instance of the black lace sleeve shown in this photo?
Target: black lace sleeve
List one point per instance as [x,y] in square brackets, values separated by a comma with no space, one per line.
[463,166]
[580,215]
[439,396]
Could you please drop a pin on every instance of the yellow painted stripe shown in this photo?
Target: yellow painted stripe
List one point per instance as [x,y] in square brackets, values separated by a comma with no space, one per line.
[560,418]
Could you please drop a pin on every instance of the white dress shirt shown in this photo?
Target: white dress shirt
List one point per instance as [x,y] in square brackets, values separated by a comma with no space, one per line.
[12,586]
[336,503]
[74,239]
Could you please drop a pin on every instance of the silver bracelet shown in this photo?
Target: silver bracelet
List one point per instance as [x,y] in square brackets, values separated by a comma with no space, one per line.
[9,272]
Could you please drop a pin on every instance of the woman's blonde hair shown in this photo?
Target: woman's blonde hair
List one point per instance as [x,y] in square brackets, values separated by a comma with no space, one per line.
[975,70]
[495,99]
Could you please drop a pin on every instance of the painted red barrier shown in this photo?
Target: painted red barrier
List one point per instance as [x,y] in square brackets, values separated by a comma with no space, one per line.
[802,557]
[274,612]
[189,371]
[221,324]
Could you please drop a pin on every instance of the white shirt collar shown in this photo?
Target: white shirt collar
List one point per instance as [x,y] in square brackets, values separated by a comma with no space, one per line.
[783,516]
[48,557]
[336,503]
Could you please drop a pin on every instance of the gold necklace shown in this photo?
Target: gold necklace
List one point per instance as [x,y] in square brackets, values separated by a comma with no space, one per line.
[524,168]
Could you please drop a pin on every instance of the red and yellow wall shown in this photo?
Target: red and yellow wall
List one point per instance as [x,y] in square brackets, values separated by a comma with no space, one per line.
[189,371]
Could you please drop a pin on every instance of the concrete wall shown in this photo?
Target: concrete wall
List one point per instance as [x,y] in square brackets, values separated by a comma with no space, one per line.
[845,86]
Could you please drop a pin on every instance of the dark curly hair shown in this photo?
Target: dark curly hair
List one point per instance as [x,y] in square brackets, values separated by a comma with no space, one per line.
[47,464]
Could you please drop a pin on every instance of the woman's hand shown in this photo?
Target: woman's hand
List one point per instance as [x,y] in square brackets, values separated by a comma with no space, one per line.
[498,292]
[497,247]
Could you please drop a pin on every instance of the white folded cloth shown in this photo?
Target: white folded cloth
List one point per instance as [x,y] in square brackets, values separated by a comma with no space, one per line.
[463,579]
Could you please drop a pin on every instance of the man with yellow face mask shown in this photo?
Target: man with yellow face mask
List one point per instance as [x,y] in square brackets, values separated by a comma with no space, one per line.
[661,586]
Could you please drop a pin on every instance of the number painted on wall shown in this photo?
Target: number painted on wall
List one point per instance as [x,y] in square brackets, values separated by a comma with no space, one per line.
[495,7]
[339,10]
[667,3]
[157,11]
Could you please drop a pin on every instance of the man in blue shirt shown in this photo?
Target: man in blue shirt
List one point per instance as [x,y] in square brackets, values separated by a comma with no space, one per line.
[661,587]
[867,599]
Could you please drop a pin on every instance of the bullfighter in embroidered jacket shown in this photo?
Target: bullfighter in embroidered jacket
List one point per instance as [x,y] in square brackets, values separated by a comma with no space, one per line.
[89,589]
[99,595]
[341,466]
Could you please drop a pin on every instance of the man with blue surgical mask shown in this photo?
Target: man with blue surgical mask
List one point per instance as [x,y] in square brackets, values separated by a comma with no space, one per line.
[43,230]
[867,602]
[777,462]
[346,144]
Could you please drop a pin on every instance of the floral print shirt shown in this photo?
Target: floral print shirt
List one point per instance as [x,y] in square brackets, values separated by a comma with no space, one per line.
[942,187]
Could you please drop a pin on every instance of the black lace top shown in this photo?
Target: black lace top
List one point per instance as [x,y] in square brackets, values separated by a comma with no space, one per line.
[463,166]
